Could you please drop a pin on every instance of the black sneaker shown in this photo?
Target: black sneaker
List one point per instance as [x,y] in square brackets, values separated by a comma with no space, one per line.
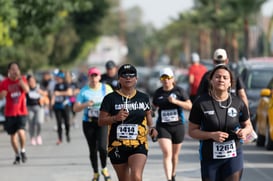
[17,160]
[23,157]
[68,138]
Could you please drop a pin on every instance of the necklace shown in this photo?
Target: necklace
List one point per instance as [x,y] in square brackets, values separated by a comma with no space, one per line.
[127,97]
[220,102]
[229,104]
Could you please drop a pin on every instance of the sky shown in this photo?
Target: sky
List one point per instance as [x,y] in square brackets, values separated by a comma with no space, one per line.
[159,12]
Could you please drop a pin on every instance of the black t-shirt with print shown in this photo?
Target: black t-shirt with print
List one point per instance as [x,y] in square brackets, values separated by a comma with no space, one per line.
[137,106]
[208,113]
[167,109]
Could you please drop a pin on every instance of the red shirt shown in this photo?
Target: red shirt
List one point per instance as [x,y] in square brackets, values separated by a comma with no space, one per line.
[197,70]
[16,97]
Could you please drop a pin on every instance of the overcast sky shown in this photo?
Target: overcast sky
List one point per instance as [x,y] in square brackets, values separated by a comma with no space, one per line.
[159,12]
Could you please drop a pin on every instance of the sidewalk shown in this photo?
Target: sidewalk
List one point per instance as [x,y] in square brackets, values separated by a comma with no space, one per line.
[70,161]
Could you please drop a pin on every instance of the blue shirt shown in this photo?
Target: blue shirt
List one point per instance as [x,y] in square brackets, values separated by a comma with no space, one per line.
[96,95]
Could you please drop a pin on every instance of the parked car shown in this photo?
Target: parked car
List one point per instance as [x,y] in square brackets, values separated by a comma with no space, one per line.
[239,66]
[142,77]
[182,79]
[256,76]
[264,118]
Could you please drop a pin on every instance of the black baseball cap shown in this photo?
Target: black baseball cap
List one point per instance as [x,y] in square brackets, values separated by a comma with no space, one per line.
[127,68]
[110,64]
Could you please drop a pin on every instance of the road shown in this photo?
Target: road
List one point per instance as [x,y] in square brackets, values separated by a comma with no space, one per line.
[69,161]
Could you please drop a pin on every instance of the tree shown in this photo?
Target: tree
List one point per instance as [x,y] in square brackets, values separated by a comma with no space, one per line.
[246,9]
[30,29]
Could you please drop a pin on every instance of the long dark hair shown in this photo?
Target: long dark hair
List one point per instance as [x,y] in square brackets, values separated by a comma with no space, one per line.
[11,63]
[221,66]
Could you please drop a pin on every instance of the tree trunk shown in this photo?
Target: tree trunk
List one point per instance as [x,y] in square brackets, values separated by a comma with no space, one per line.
[204,44]
[246,38]
[235,47]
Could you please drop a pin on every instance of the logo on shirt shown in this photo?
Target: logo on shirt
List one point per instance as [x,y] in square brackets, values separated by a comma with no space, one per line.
[133,106]
[212,112]
[232,112]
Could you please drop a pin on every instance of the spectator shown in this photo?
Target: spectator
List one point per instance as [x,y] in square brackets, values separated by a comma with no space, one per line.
[196,72]
[110,77]
[14,89]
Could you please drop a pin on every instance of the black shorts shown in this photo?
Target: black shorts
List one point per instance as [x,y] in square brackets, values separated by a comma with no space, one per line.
[121,154]
[220,169]
[14,123]
[175,133]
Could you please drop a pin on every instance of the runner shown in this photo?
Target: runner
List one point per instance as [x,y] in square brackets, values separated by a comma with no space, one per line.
[170,100]
[220,120]
[128,113]
[14,89]
[89,99]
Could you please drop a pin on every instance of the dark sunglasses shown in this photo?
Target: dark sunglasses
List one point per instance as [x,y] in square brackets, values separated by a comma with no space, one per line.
[128,75]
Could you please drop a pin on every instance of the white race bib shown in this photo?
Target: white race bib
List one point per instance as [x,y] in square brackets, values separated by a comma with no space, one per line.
[127,131]
[93,112]
[169,115]
[224,150]
[34,95]
[59,99]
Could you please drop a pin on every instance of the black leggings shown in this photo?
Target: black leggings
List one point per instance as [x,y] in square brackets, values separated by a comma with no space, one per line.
[96,137]
[62,114]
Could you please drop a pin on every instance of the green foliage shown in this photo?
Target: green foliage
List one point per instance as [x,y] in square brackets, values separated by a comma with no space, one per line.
[47,32]
[222,19]
[8,22]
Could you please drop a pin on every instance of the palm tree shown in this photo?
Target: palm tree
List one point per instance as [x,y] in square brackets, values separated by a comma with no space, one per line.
[246,9]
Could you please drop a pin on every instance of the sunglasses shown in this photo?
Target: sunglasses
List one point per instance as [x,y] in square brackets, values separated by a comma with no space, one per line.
[128,75]
[165,77]
[93,75]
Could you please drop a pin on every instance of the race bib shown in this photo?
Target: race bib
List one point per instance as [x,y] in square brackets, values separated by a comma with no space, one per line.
[170,115]
[34,95]
[224,150]
[127,131]
[59,99]
[93,112]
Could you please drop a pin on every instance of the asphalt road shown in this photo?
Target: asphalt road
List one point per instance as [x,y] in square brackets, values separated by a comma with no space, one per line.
[69,161]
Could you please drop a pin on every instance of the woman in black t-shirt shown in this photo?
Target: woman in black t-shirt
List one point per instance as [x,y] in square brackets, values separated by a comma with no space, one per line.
[61,106]
[221,122]
[35,111]
[127,111]
[170,100]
